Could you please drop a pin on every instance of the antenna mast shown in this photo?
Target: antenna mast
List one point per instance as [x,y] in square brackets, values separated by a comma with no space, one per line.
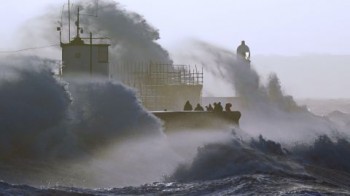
[69,20]
[78,23]
[96,8]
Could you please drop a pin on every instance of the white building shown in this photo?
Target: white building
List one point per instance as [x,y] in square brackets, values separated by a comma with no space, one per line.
[79,58]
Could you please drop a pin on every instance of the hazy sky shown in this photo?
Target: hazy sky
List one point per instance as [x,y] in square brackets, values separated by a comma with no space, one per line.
[270,27]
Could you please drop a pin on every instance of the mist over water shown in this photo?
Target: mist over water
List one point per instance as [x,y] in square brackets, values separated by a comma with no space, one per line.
[133,38]
[85,114]
[82,132]
[265,108]
[276,135]
[92,132]
[32,103]
[44,118]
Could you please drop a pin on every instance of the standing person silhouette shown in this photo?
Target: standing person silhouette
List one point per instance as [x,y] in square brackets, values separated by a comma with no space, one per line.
[243,52]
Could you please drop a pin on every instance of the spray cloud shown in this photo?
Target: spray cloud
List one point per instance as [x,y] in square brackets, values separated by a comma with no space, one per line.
[265,107]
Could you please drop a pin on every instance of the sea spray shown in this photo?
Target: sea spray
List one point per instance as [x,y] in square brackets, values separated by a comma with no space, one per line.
[143,160]
[234,158]
[104,110]
[48,123]
[325,152]
[322,157]
[83,132]
[266,109]
[132,39]
[32,102]
[92,113]
[297,139]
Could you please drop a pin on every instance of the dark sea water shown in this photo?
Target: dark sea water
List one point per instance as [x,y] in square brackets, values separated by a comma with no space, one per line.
[258,184]
[314,180]
[235,167]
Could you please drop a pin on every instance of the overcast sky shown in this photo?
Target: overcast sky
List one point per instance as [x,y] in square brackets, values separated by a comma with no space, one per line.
[270,27]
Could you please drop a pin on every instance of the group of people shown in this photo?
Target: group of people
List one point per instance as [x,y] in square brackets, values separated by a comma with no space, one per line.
[188,107]
[217,107]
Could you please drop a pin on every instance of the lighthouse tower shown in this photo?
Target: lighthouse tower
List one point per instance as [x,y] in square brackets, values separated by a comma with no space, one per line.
[84,56]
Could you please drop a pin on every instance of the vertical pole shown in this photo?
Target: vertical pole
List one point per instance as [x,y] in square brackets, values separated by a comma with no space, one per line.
[90,54]
[202,81]
[78,23]
[97,8]
[60,67]
[61,37]
[69,21]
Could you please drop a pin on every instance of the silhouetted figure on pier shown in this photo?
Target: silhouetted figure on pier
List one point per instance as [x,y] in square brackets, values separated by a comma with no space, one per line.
[243,52]
[188,106]
[210,108]
[218,107]
[198,108]
[228,107]
[215,109]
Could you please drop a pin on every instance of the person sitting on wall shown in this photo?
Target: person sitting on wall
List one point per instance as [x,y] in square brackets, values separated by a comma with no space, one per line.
[220,108]
[228,107]
[210,108]
[198,108]
[188,106]
[215,107]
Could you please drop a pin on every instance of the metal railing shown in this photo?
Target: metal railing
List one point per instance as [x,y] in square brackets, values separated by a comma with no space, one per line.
[152,79]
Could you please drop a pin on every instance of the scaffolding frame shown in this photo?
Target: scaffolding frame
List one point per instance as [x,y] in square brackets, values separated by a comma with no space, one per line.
[152,80]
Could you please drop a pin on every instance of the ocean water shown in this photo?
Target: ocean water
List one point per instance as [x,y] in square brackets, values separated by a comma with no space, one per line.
[258,168]
[93,137]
